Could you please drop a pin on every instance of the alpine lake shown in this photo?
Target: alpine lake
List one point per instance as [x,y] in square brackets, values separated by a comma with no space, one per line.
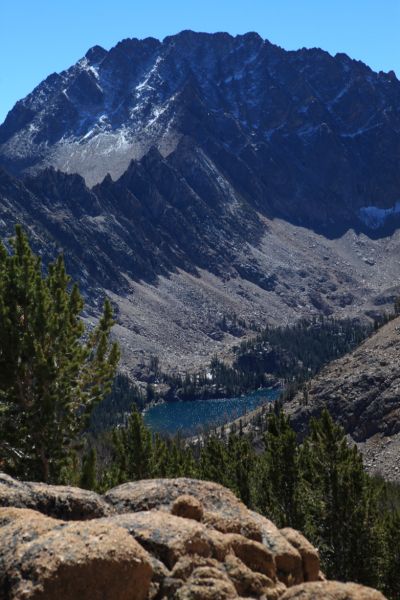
[189,417]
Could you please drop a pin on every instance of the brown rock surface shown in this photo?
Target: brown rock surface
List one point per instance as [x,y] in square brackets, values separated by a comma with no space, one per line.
[14,493]
[187,564]
[331,590]
[188,507]
[288,561]
[45,558]
[246,581]
[207,583]
[68,503]
[222,511]
[245,526]
[161,493]
[250,583]
[169,537]
[152,554]
[59,501]
[308,553]
[253,554]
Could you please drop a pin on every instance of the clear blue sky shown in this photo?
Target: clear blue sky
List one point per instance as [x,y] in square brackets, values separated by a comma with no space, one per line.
[38,37]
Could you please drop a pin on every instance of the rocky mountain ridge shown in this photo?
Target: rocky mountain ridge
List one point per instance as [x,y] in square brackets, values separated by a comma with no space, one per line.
[287,127]
[179,539]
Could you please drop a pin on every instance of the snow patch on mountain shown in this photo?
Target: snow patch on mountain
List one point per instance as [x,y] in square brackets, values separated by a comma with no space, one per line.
[375,217]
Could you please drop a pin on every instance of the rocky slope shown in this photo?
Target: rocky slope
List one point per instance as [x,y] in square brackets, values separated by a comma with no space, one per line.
[175,270]
[245,180]
[176,539]
[362,392]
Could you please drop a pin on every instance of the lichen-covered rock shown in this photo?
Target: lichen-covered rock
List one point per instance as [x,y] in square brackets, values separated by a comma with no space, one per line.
[177,539]
[185,566]
[251,583]
[253,554]
[331,590]
[59,501]
[246,582]
[14,493]
[207,583]
[45,558]
[245,526]
[68,503]
[188,507]
[288,561]
[169,537]
[223,511]
[308,553]
[152,494]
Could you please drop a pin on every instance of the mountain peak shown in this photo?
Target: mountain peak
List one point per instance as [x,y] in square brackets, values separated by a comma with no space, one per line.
[218,89]
[95,54]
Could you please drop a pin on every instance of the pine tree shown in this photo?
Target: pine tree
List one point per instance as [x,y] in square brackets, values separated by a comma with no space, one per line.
[214,461]
[52,371]
[159,457]
[397,307]
[241,459]
[342,510]
[391,578]
[88,478]
[181,462]
[277,476]
[133,449]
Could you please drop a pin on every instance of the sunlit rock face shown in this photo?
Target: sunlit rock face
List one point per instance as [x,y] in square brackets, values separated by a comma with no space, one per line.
[176,539]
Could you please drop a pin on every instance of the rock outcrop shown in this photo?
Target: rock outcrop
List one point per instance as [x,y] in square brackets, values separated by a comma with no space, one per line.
[160,539]
[331,590]
[41,557]
[61,502]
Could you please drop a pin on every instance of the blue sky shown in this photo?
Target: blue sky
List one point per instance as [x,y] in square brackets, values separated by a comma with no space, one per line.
[38,37]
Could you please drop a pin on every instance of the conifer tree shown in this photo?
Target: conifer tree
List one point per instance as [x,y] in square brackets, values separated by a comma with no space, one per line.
[342,510]
[159,457]
[241,459]
[277,477]
[133,449]
[214,461]
[392,559]
[181,462]
[88,478]
[52,370]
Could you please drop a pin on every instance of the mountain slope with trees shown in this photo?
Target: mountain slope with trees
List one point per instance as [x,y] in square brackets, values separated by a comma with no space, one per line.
[361,391]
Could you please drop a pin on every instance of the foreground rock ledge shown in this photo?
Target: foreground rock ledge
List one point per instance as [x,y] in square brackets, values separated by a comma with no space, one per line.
[179,539]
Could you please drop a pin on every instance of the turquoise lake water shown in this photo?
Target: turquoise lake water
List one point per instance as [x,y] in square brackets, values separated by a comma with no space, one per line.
[190,416]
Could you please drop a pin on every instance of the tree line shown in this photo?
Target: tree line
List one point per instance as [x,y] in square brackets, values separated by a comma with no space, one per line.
[292,354]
